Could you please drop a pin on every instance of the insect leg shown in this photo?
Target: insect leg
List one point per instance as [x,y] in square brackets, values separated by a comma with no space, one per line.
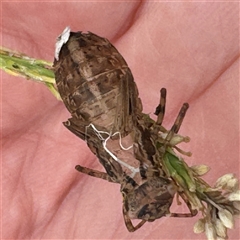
[94,173]
[128,221]
[177,124]
[94,142]
[181,215]
[193,212]
[160,109]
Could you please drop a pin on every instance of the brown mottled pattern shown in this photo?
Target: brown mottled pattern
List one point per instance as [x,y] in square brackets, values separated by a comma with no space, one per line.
[151,200]
[96,84]
[97,87]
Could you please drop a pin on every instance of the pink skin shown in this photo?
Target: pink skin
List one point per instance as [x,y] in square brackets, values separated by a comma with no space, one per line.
[189,48]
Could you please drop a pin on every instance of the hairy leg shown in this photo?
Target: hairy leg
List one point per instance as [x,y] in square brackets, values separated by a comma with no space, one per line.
[94,173]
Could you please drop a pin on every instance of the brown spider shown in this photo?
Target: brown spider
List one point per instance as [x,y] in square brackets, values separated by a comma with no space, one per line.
[153,197]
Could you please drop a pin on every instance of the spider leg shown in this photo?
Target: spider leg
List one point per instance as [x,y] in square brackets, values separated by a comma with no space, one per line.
[160,109]
[94,173]
[128,222]
[193,212]
[94,142]
[181,215]
[178,122]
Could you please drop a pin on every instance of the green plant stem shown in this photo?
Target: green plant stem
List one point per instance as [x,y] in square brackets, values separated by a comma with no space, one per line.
[18,64]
